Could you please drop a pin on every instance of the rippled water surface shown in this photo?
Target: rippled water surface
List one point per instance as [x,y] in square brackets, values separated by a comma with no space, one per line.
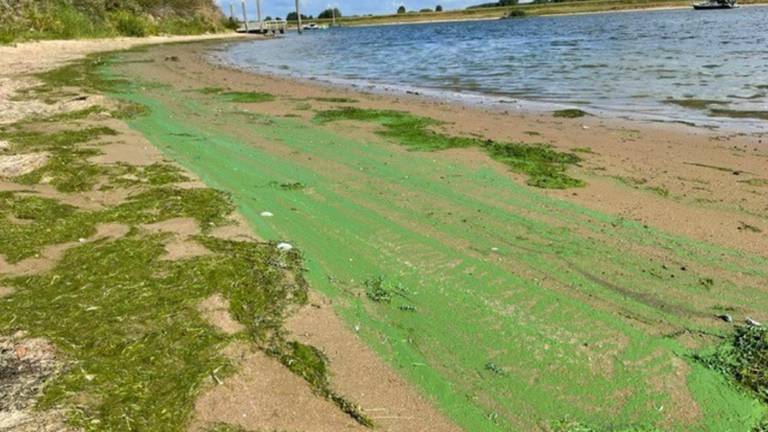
[623,63]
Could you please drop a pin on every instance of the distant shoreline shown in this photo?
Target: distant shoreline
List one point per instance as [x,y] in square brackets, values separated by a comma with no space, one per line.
[498,13]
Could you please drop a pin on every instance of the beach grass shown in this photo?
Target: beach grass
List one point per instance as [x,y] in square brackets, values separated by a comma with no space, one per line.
[57,19]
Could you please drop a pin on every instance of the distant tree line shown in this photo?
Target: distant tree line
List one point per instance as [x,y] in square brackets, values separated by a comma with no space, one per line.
[438,8]
[326,14]
[293,16]
[329,13]
[501,3]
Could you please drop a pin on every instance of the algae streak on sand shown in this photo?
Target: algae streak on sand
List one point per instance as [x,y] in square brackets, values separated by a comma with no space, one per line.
[512,310]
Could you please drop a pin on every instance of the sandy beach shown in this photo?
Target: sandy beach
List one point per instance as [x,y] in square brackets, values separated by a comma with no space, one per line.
[691,181]
[428,270]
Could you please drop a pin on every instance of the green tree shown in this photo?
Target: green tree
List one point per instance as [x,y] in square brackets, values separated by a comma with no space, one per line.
[293,17]
[439,8]
[401,10]
[328,13]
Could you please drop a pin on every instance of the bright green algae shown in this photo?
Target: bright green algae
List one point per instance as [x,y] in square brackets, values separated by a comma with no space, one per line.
[571,306]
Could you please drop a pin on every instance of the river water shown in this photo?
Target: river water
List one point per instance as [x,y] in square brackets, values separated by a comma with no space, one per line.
[625,64]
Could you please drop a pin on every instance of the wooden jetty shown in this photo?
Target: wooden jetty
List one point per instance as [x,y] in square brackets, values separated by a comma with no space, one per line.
[260,26]
[264,27]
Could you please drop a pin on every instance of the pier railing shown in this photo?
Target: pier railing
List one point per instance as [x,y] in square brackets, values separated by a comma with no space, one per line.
[263,27]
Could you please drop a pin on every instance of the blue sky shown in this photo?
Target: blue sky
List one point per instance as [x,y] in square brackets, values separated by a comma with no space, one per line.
[347,7]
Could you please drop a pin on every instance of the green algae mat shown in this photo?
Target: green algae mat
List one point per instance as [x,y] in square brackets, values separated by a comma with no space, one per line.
[510,309]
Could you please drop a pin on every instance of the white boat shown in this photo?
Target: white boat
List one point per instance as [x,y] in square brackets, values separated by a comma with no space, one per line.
[314,26]
[716,4]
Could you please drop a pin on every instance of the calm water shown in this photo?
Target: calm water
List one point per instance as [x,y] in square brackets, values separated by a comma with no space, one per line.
[625,64]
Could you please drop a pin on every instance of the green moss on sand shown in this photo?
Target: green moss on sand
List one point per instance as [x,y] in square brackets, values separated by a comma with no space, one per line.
[247,97]
[545,166]
[127,322]
[569,113]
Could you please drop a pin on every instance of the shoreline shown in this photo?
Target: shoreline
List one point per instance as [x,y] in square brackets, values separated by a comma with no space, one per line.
[459,231]
[738,111]
[433,272]
[501,103]
[522,7]
[494,18]
[679,183]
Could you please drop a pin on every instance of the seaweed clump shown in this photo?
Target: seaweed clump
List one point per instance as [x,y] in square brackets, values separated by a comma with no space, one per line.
[545,166]
[569,113]
[744,358]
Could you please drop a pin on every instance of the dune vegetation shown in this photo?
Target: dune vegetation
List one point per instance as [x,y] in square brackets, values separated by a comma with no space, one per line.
[70,19]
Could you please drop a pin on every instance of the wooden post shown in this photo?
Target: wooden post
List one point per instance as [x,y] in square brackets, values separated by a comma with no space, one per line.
[245,17]
[333,14]
[258,14]
[298,16]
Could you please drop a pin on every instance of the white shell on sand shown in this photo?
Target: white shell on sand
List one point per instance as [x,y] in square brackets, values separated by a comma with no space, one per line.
[285,247]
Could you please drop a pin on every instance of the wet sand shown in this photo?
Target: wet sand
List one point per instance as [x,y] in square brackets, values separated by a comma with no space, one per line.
[696,182]
[667,232]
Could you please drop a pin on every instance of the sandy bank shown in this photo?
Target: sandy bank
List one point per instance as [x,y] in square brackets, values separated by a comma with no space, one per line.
[472,248]
[691,181]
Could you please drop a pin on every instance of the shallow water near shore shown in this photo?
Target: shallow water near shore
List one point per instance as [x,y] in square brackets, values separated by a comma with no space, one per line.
[672,65]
